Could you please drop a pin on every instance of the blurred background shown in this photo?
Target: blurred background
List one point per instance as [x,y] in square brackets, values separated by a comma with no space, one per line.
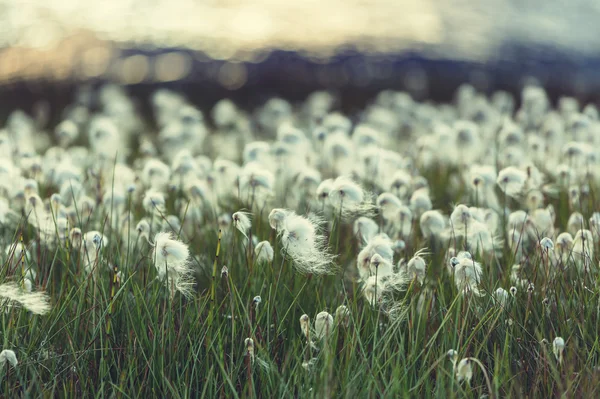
[251,50]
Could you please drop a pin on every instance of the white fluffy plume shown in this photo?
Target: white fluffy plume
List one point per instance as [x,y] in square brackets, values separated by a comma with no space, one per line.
[171,259]
[303,242]
[11,295]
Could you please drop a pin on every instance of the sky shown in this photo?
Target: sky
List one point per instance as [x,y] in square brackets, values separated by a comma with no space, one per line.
[56,37]
[470,29]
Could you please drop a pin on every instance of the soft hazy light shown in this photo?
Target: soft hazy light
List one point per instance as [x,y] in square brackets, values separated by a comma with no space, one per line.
[86,33]
[95,61]
[134,69]
[172,66]
[310,24]
[232,75]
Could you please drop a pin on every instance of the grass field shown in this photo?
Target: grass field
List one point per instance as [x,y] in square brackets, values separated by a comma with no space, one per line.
[454,257]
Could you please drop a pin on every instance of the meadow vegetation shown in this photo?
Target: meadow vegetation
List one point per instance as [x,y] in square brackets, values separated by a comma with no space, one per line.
[408,250]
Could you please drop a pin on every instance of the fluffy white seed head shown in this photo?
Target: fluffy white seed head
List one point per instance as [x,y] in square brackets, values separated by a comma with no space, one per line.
[432,223]
[8,356]
[349,198]
[171,260]
[379,244]
[388,204]
[249,345]
[302,242]
[241,221]
[154,202]
[558,347]
[323,190]
[305,325]
[453,356]
[417,267]
[373,290]
[342,315]
[380,267]
[264,252]
[143,229]
[11,295]
[467,274]
[575,223]
[464,370]
[547,244]
[277,217]
[156,174]
[365,229]
[501,296]
[323,325]
[255,183]
[511,181]
[169,253]
[420,202]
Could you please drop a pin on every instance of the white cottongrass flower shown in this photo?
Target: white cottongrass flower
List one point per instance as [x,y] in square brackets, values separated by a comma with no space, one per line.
[342,315]
[171,259]
[388,204]
[8,356]
[463,221]
[373,290]
[416,267]
[348,198]
[563,248]
[402,222]
[264,252]
[143,229]
[511,181]
[35,302]
[5,212]
[420,201]
[380,267]
[241,221]
[257,300]
[277,218]
[17,253]
[530,288]
[380,292]
[255,183]
[154,202]
[400,182]
[583,250]
[467,274]
[432,224]
[365,228]
[453,356]
[547,244]
[575,223]
[323,190]
[323,325]
[558,347]
[302,242]
[379,244]
[464,370]
[501,296]
[305,325]
[93,242]
[249,344]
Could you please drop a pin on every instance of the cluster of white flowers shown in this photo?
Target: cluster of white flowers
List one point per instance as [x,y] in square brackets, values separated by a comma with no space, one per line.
[109,181]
